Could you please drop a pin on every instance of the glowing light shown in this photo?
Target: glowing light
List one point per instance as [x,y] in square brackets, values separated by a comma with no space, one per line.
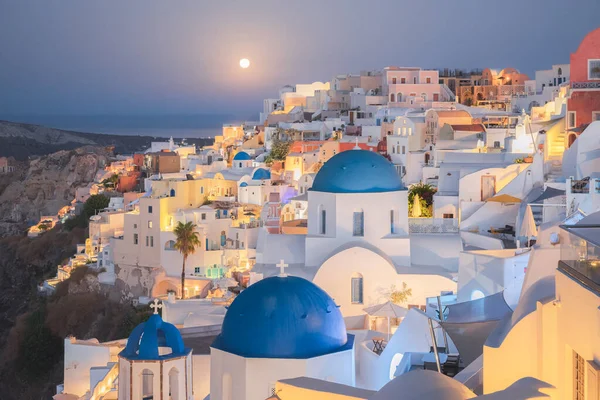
[244,63]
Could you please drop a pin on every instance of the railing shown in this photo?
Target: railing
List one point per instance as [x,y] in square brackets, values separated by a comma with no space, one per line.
[432,225]
[585,272]
[106,384]
[585,85]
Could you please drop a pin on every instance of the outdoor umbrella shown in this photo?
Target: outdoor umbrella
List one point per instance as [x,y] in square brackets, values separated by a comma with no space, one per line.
[416,210]
[528,227]
[387,309]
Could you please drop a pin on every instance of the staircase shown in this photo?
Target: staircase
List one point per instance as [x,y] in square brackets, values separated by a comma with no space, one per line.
[555,154]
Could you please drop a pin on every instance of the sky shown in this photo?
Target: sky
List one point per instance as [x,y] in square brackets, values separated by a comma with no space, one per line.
[155,57]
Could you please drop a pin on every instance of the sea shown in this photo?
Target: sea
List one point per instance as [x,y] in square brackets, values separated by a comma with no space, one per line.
[160,126]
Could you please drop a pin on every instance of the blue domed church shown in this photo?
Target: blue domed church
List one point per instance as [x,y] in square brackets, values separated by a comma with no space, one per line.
[281,327]
[155,364]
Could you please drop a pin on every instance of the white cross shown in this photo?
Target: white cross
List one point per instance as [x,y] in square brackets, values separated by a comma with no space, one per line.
[156,305]
[282,265]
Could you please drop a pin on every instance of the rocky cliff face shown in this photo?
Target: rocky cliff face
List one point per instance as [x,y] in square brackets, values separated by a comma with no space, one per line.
[48,184]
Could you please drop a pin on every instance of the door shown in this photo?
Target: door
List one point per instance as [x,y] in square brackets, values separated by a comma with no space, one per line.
[436,97]
[488,187]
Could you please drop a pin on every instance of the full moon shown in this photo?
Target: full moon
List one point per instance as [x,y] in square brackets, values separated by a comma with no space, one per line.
[244,63]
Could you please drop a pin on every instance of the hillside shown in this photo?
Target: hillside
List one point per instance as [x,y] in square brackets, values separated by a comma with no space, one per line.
[21,141]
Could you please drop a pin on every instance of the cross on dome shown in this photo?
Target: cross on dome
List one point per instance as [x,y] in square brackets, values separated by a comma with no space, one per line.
[156,305]
[282,266]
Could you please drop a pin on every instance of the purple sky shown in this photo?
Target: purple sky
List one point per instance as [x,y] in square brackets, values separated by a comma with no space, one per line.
[163,57]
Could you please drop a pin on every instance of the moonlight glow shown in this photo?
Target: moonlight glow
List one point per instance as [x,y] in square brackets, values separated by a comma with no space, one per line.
[244,63]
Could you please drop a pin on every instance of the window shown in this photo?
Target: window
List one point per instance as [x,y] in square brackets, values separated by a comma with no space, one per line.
[403,149]
[196,270]
[559,71]
[424,96]
[393,150]
[150,224]
[594,69]
[149,209]
[147,241]
[147,384]
[323,227]
[578,377]
[201,189]
[357,289]
[448,216]
[398,148]
[403,80]
[203,216]
[134,226]
[571,119]
[393,81]
[428,80]
[392,230]
[135,238]
[151,241]
[414,79]
[399,97]
[392,98]
[170,245]
[358,223]
[595,116]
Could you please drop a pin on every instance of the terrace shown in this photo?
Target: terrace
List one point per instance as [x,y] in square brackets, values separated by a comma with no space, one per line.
[580,255]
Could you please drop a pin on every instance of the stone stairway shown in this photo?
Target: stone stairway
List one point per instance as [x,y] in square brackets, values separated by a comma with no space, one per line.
[555,155]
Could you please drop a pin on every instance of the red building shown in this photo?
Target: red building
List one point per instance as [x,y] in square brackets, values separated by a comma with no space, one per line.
[583,105]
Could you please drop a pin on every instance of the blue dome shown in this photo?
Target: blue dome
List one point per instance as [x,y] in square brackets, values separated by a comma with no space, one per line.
[243,184]
[357,171]
[261,173]
[283,317]
[147,337]
[242,156]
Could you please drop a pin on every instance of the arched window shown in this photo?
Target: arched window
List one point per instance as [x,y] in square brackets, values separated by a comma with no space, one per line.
[170,245]
[477,294]
[559,71]
[322,220]
[392,98]
[356,290]
[147,384]
[358,223]
[172,192]
[174,384]
[399,97]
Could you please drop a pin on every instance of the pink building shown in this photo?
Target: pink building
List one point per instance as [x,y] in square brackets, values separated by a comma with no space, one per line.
[583,104]
[408,86]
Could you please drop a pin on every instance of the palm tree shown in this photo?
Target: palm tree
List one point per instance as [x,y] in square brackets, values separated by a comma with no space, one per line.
[187,241]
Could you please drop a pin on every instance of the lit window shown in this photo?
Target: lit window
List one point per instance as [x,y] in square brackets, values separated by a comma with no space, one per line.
[358,224]
[150,224]
[357,289]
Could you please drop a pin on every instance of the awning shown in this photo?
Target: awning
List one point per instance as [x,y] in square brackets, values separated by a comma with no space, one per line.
[470,323]
[504,198]
[549,193]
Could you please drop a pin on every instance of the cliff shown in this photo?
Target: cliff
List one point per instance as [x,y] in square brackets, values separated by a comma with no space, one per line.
[46,185]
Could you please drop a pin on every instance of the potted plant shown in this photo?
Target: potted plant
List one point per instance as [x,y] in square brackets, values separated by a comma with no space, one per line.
[528,159]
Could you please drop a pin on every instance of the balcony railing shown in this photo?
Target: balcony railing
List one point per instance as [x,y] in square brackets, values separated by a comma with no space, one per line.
[432,225]
[585,85]
[586,272]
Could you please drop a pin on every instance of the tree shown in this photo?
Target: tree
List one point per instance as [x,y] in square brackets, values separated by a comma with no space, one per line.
[425,193]
[279,150]
[94,204]
[400,296]
[187,241]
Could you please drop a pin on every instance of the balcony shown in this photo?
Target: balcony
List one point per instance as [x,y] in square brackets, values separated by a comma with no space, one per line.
[432,225]
[580,255]
[585,85]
